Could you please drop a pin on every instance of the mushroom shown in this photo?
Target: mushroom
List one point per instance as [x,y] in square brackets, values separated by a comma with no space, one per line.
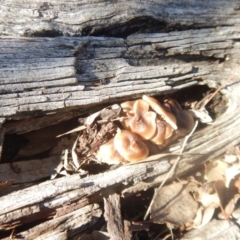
[142,121]
[108,154]
[163,132]
[130,146]
[160,110]
[127,106]
[185,120]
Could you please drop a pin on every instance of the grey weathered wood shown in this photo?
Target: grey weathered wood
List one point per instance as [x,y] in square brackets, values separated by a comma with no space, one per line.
[29,171]
[113,217]
[216,229]
[210,142]
[76,222]
[88,185]
[89,17]
[55,79]
[141,64]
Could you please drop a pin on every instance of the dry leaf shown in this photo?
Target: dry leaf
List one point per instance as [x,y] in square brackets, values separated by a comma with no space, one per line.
[198,219]
[237,183]
[215,170]
[207,214]
[231,172]
[207,195]
[202,115]
[209,198]
[107,113]
[74,155]
[230,158]
[230,207]
[110,112]
[174,204]
[231,155]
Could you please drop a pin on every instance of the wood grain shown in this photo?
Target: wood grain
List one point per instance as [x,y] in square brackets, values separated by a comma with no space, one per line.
[62,60]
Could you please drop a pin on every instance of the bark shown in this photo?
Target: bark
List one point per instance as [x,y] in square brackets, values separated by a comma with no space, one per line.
[33,18]
[103,53]
[114,220]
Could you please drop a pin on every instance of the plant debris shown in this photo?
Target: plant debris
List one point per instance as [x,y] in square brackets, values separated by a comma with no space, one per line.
[149,125]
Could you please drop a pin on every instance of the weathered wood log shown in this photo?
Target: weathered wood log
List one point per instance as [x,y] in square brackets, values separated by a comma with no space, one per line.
[39,18]
[44,81]
[140,70]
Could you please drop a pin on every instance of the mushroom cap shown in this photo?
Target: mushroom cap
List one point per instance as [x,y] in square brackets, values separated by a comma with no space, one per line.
[169,140]
[130,146]
[127,120]
[141,121]
[169,131]
[159,137]
[186,123]
[140,107]
[185,120]
[108,154]
[160,110]
[127,106]
[163,132]
[143,125]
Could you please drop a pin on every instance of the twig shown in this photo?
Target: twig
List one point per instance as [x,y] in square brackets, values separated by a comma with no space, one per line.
[82,127]
[157,157]
[172,169]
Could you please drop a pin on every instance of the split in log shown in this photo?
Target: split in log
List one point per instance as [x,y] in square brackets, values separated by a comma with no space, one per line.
[45,81]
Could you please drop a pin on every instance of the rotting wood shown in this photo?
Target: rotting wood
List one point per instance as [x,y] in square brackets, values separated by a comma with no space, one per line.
[30,171]
[113,217]
[126,72]
[121,69]
[76,222]
[72,188]
[93,17]
[213,143]
[216,229]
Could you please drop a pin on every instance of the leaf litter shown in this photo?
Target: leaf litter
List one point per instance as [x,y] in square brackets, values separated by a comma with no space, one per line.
[184,205]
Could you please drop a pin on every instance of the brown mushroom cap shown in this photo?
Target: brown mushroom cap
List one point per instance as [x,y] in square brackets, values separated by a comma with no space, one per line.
[163,132]
[185,120]
[144,125]
[130,146]
[127,121]
[160,110]
[159,137]
[141,121]
[169,131]
[108,154]
[140,107]
[127,106]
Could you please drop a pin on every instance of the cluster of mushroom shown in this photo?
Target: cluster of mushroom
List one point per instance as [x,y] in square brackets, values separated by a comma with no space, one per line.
[145,120]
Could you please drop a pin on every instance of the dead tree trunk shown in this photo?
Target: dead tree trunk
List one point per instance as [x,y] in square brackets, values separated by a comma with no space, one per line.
[61,60]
